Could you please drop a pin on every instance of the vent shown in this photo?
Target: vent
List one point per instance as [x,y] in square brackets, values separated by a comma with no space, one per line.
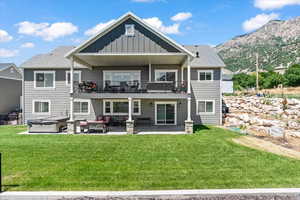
[129,30]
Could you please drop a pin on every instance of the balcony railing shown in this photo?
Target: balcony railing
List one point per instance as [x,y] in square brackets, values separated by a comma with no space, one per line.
[129,87]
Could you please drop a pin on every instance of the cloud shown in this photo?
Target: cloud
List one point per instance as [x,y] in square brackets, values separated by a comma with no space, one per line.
[258,21]
[182,16]
[48,32]
[27,45]
[274,4]
[153,21]
[158,24]
[6,53]
[4,36]
[98,27]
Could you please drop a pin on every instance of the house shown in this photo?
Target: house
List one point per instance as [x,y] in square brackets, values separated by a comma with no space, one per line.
[10,88]
[130,71]
[227,82]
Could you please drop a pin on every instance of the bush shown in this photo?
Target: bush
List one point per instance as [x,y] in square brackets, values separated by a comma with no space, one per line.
[292,76]
[243,81]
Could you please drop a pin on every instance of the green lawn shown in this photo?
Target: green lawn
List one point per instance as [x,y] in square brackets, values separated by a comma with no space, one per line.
[207,159]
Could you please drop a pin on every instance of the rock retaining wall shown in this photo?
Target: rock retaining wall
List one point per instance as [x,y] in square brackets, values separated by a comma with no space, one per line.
[264,116]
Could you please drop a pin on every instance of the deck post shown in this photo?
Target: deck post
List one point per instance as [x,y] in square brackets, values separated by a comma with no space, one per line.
[189,124]
[189,109]
[182,77]
[150,72]
[71,123]
[189,75]
[130,122]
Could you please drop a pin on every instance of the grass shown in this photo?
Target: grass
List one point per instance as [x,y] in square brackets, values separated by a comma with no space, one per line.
[207,159]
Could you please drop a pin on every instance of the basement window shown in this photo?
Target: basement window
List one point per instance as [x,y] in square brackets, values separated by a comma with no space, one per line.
[129,30]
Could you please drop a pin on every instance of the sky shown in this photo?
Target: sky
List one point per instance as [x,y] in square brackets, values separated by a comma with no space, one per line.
[31,27]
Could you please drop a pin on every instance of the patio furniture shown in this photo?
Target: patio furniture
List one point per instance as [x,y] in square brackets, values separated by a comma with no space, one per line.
[96,126]
[87,86]
[83,126]
[119,120]
[143,121]
[160,86]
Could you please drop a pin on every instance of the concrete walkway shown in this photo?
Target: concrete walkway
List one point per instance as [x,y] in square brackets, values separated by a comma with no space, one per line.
[289,193]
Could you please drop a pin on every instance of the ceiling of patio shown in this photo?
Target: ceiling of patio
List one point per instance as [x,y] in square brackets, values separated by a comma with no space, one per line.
[131,60]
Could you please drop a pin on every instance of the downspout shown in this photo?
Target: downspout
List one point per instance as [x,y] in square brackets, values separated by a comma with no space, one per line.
[23,96]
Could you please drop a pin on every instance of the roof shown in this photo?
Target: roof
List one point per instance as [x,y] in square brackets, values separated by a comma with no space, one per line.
[6,65]
[5,74]
[54,59]
[208,56]
[121,20]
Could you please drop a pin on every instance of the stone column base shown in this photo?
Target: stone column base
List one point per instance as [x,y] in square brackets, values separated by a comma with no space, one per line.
[71,125]
[189,127]
[130,127]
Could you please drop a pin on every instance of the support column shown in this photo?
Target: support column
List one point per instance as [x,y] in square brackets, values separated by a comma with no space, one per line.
[189,109]
[182,77]
[130,122]
[189,75]
[71,122]
[150,72]
[189,124]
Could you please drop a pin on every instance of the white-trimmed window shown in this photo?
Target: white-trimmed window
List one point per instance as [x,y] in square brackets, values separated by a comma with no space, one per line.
[41,107]
[77,77]
[205,75]
[120,107]
[44,79]
[205,107]
[81,107]
[129,29]
[116,78]
[165,75]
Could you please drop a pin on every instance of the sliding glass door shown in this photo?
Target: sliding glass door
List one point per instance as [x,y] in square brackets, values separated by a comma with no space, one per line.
[165,113]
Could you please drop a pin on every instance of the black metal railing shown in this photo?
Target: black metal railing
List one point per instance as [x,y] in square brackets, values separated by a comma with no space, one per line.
[129,87]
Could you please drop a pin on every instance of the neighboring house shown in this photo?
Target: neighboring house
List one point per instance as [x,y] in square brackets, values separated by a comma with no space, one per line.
[127,65]
[227,82]
[10,88]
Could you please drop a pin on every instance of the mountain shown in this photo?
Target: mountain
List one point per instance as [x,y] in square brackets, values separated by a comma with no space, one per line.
[277,44]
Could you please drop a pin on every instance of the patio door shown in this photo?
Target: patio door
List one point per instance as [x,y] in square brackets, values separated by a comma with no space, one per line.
[165,113]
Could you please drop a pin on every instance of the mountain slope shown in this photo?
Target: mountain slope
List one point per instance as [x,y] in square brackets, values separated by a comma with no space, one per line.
[277,43]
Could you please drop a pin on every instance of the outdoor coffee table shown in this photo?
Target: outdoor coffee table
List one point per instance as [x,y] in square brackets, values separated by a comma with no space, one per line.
[96,126]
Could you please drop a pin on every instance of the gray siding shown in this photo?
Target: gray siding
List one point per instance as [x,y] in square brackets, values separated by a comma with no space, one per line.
[59,96]
[143,41]
[11,72]
[209,90]
[10,93]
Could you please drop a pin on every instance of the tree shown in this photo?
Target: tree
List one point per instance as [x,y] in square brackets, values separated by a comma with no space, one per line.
[270,79]
[292,76]
[243,81]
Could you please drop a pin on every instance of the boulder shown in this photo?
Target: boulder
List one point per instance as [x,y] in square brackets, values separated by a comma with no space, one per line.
[276,131]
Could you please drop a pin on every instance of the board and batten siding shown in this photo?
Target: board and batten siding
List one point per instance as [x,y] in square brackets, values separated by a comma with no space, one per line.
[206,90]
[143,41]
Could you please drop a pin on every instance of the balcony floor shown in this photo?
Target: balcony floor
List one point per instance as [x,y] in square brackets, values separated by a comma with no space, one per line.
[158,95]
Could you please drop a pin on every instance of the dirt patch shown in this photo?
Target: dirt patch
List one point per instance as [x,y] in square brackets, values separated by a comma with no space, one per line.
[291,90]
[268,146]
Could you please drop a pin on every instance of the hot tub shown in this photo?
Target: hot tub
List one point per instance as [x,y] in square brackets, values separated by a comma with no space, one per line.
[47,125]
